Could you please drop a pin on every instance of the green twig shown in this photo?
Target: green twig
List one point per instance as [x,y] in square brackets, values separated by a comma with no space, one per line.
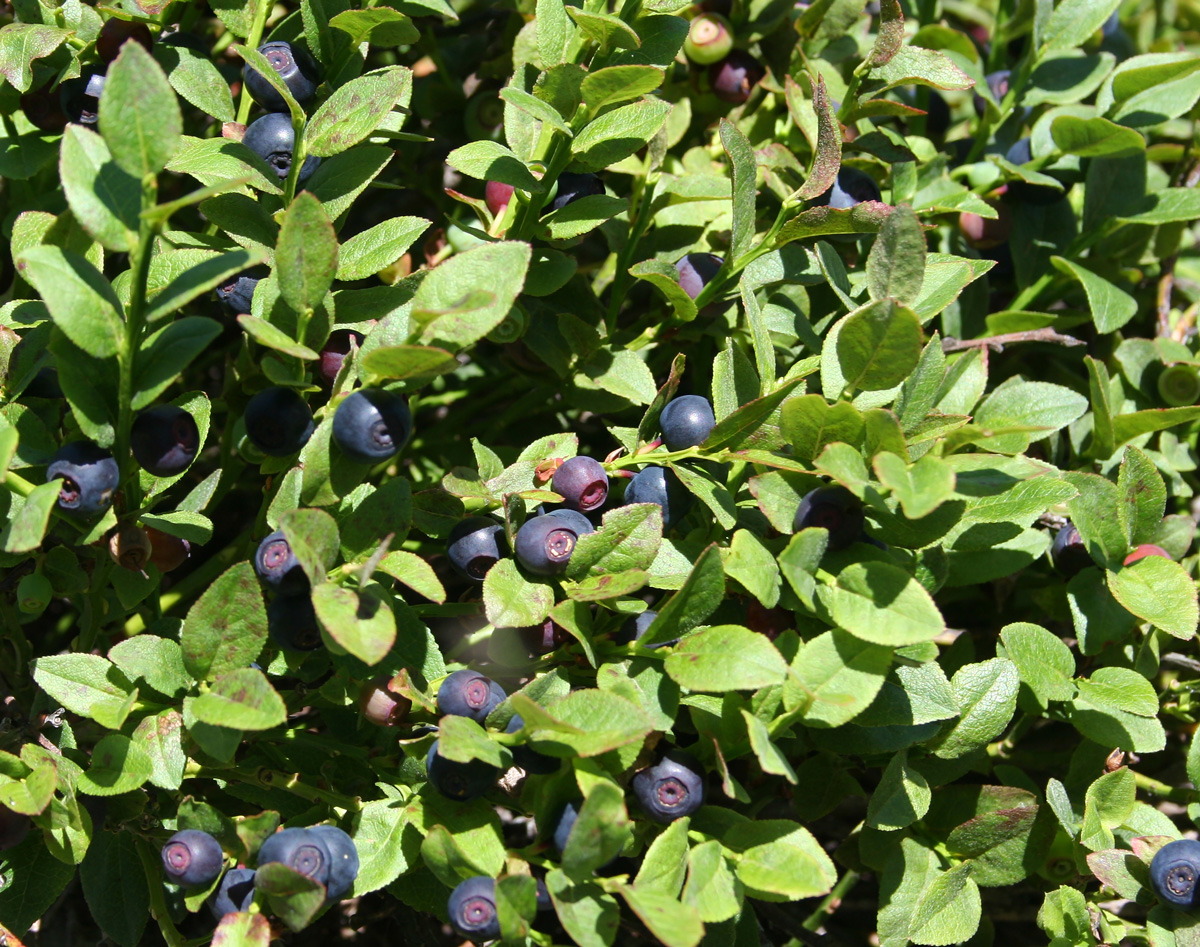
[158,904]
[830,902]
[1180,795]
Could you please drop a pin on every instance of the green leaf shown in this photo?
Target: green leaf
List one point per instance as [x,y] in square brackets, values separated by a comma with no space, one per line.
[157,661]
[617,134]
[241,699]
[912,64]
[896,263]
[610,32]
[1108,803]
[1111,307]
[359,621]
[214,160]
[354,111]
[725,658]
[769,756]
[114,886]
[1073,21]
[698,597]
[1044,664]
[541,110]
[384,838]
[987,696]
[80,299]
[491,161]
[674,924]
[901,798]
[512,601]
[271,337]
[1143,497]
[780,860]
[712,888]
[139,113]
[587,722]
[665,278]
[377,247]
[827,156]
[612,84]
[294,898]
[878,345]
[461,739]
[835,677]
[1095,137]
[196,78]
[37,878]
[242,929]
[1160,592]
[589,915]
[26,529]
[1033,403]
[628,538]
[600,832]
[227,626]
[21,44]
[307,254]
[881,603]
[118,765]
[104,199]
[743,170]
[387,27]
[921,487]
[581,216]
[664,865]
[199,279]
[810,423]
[88,685]
[444,310]
[166,353]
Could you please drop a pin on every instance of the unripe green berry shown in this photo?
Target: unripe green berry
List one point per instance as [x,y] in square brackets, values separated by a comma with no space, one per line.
[34,593]
[709,39]
[1179,385]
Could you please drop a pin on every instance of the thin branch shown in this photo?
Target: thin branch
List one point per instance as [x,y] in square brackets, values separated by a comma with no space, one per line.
[997,342]
[1165,284]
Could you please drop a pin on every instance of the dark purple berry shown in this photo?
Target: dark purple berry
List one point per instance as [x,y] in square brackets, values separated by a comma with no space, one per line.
[545,543]
[234,894]
[468,693]
[461,781]
[292,622]
[295,67]
[850,188]
[116,33]
[472,909]
[582,483]
[164,440]
[1174,872]
[835,509]
[192,858]
[686,421]
[372,425]
[1068,553]
[671,788]
[734,77]
[696,271]
[272,138]
[343,855]
[80,98]
[276,564]
[13,828]
[300,849]
[237,292]
[334,353]
[89,478]
[572,187]
[278,421]
[473,546]
[660,485]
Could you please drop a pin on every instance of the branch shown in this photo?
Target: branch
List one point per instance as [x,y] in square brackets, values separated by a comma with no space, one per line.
[997,342]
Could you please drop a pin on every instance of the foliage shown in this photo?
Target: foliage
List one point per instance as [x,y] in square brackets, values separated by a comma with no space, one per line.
[933,732]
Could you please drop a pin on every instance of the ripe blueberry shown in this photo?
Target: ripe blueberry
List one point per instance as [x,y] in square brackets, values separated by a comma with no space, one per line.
[527,757]
[164,440]
[278,421]
[544,638]
[474,546]
[497,194]
[192,858]
[686,421]
[167,552]
[563,825]
[343,865]
[272,138]
[582,483]
[634,628]
[295,67]
[671,788]
[1144,550]
[468,693]
[371,425]
[238,291]
[851,187]
[89,478]
[660,485]
[234,894]
[334,353]
[1068,553]
[44,109]
[709,39]
[276,564]
[461,781]
[1174,872]
[734,77]
[472,909]
[80,98]
[292,622]
[835,509]
[301,849]
[381,705]
[572,187]
[545,543]
[115,33]
[696,270]
[13,828]
[997,83]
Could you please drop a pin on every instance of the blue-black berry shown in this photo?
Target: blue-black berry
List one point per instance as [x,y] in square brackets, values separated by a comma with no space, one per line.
[234,894]
[582,483]
[1174,872]
[660,485]
[544,544]
[461,781]
[292,622]
[696,271]
[278,421]
[89,477]
[371,425]
[192,858]
[164,440]
[686,421]
[474,545]
[276,564]
[300,849]
[573,186]
[294,66]
[236,293]
[468,693]
[472,909]
[671,788]
[835,509]
[733,78]
[273,139]
[850,188]
[343,854]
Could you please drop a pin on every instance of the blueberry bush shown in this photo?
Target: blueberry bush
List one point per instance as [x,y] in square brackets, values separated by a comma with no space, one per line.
[572,473]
